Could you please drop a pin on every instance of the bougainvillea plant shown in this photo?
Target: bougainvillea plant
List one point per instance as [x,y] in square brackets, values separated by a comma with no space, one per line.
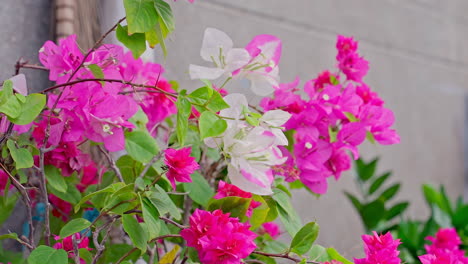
[181,176]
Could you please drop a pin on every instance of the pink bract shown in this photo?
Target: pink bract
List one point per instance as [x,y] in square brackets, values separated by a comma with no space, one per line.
[219,238]
[180,164]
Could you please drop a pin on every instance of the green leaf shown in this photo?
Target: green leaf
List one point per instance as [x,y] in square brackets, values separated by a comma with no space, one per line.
[21,98]
[9,236]
[109,189]
[396,210]
[9,104]
[165,14]
[85,255]
[390,192]
[370,137]
[433,197]
[351,117]
[355,201]
[237,206]
[31,108]
[136,42]
[184,108]
[72,195]
[334,255]
[6,92]
[210,125]
[318,254]
[141,15]
[460,217]
[163,202]
[22,157]
[151,217]
[199,189]
[378,182]
[7,207]
[141,146]
[372,213]
[129,168]
[286,212]
[96,70]
[441,217]
[74,226]
[55,178]
[165,22]
[135,231]
[304,238]
[45,254]
[260,213]
[332,134]
[366,171]
[273,212]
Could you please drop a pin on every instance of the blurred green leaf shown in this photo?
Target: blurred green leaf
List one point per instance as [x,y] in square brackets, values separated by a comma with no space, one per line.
[366,171]
[378,182]
[304,238]
[237,206]
[199,189]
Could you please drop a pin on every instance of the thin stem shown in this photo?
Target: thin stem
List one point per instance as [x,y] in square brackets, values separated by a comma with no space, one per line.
[284,256]
[165,236]
[75,250]
[148,165]
[112,163]
[100,245]
[155,89]
[44,195]
[26,200]
[167,220]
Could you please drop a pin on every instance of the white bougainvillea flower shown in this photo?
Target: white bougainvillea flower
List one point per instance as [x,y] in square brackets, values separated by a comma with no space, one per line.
[252,150]
[262,70]
[218,48]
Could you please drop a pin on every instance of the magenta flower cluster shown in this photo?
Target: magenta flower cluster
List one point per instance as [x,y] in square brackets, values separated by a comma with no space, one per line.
[218,238]
[445,248]
[336,118]
[94,110]
[180,165]
[380,249]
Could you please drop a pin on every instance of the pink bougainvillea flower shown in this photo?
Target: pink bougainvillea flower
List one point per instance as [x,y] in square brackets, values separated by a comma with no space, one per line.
[270,228]
[67,244]
[445,248]
[3,182]
[61,209]
[180,164]
[218,238]
[61,59]
[345,46]
[380,249]
[226,189]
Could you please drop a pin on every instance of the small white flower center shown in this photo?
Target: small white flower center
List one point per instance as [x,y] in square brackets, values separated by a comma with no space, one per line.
[107,129]
[326,97]
[308,145]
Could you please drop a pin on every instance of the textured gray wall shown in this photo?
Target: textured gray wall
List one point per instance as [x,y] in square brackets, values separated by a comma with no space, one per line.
[419,62]
[25,26]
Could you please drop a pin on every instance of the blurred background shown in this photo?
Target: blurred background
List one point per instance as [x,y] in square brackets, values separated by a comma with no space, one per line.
[418,64]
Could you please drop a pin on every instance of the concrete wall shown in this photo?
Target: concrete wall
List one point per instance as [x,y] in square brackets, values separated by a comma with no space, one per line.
[25,26]
[419,65]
